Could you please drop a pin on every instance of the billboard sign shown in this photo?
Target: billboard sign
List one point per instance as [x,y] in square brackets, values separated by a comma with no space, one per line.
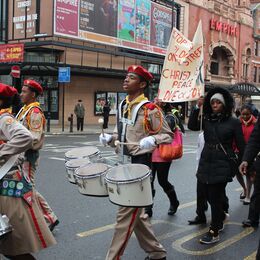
[135,24]
[11,52]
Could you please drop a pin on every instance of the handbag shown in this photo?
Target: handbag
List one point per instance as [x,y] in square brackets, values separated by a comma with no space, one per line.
[174,150]
[233,159]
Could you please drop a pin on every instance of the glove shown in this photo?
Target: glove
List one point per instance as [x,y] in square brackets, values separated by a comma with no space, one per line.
[147,143]
[104,139]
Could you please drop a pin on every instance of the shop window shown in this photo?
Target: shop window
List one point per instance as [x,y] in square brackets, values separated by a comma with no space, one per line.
[40,57]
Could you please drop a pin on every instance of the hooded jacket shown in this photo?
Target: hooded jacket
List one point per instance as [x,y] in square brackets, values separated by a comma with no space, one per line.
[214,165]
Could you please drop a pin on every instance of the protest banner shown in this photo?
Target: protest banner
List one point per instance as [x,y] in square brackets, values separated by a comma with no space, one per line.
[182,77]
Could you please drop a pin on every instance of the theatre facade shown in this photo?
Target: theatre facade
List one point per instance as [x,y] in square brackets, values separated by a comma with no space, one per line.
[99,39]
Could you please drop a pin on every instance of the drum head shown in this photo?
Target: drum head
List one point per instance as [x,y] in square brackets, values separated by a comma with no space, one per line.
[127,172]
[81,152]
[75,163]
[91,170]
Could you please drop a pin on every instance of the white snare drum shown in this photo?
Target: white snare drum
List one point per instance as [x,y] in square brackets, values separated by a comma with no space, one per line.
[90,152]
[91,179]
[73,165]
[129,185]
[5,226]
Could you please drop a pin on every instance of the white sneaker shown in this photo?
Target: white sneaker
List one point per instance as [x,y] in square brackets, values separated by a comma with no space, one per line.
[227,216]
[246,201]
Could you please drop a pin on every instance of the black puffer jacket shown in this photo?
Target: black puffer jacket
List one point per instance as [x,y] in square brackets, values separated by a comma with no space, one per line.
[214,166]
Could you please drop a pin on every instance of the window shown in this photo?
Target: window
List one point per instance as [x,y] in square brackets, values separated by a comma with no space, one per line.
[214,68]
[3,20]
[255,74]
[256,46]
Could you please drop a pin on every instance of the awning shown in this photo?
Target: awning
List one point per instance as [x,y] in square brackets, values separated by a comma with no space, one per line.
[245,88]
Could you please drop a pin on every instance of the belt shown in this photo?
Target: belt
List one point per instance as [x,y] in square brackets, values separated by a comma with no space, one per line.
[213,146]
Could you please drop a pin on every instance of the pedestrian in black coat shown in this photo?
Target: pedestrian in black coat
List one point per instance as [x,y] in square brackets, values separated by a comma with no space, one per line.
[214,170]
[106,111]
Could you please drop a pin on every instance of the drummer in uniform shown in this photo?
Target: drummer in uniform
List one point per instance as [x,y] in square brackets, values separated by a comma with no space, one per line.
[32,117]
[141,122]
[17,196]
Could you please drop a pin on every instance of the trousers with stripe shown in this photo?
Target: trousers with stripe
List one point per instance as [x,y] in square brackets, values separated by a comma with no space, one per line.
[131,220]
[47,211]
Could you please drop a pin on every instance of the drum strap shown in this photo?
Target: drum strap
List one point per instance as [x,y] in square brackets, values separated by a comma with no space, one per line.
[123,121]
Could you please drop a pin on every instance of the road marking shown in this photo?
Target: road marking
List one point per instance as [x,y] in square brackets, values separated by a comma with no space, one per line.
[111,226]
[56,158]
[96,231]
[251,257]
[177,244]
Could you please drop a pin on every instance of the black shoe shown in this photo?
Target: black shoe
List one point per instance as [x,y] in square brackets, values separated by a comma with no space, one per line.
[249,223]
[173,208]
[210,238]
[197,221]
[148,258]
[53,225]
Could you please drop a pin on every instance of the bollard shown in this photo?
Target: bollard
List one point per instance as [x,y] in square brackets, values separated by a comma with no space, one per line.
[70,119]
[48,121]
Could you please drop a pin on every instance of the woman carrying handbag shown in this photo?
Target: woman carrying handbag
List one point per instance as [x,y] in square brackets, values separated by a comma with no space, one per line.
[162,166]
[215,165]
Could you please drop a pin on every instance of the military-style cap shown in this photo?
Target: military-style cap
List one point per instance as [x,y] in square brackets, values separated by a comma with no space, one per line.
[139,70]
[33,85]
[7,91]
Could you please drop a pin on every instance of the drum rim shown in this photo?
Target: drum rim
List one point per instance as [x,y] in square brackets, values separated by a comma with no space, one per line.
[75,167]
[128,181]
[81,157]
[89,176]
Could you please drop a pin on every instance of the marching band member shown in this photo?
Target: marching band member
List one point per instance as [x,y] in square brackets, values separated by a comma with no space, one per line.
[139,121]
[17,196]
[32,117]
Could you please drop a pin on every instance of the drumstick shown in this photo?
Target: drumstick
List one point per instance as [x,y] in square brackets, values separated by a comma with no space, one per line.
[101,122]
[123,143]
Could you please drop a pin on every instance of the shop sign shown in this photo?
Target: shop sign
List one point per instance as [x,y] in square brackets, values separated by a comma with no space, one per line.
[223,27]
[11,52]
[64,74]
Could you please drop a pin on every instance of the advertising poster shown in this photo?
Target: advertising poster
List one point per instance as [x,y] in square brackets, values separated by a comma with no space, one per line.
[161,25]
[112,100]
[100,100]
[182,76]
[25,18]
[67,17]
[12,52]
[87,15]
[126,20]
[142,31]
[106,17]
[120,97]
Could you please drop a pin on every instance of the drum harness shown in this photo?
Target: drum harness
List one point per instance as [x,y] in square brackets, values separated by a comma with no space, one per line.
[123,122]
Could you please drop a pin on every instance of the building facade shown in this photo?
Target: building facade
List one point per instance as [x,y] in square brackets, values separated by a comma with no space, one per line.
[99,39]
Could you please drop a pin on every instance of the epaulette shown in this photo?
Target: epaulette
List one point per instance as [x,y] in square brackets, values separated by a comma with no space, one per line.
[36,110]
[150,106]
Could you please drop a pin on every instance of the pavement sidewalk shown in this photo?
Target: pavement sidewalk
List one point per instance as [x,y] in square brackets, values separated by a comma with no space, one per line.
[88,129]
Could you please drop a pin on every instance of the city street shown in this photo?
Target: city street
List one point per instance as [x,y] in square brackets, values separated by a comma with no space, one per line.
[86,223]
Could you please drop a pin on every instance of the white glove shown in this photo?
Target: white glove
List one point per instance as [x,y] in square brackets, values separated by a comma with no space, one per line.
[147,143]
[104,139]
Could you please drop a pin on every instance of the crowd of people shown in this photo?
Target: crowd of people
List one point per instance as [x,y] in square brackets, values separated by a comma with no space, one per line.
[224,143]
